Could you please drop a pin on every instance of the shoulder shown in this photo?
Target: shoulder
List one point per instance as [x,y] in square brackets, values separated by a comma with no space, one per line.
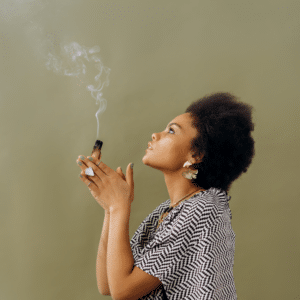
[204,199]
[205,207]
[211,198]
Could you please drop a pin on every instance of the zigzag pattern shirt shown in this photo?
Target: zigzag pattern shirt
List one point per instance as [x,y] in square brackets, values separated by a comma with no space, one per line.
[192,251]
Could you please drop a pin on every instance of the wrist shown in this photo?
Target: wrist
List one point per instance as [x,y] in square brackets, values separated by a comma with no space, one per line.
[119,208]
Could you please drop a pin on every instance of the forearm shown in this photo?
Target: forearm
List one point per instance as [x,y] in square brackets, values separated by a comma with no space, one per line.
[119,255]
[101,264]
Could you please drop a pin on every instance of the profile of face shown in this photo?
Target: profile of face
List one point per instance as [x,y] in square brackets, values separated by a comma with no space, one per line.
[171,148]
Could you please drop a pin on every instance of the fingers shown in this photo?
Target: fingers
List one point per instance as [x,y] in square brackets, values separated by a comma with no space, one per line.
[81,163]
[96,157]
[85,163]
[91,185]
[119,171]
[96,154]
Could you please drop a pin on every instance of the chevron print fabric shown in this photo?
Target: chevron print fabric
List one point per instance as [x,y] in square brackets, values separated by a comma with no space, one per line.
[192,251]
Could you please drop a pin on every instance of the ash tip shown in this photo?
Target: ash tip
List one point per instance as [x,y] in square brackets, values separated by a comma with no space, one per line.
[98,145]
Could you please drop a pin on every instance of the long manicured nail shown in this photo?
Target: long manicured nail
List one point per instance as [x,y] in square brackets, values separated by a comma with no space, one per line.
[131,166]
[81,157]
[90,158]
[80,163]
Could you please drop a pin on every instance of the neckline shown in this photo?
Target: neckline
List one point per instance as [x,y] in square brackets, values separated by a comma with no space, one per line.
[211,188]
[171,207]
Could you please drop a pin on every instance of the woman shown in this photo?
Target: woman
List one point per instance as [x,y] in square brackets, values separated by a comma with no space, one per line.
[187,241]
[184,249]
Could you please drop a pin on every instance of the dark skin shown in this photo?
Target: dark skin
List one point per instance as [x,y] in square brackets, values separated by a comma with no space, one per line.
[109,188]
[171,149]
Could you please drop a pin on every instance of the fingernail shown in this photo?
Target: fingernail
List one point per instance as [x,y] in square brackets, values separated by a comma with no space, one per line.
[80,175]
[131,166]
[80,163]
[81,157]
[90,158]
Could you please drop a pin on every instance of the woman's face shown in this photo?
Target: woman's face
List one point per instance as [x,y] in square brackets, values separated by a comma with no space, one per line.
[171,147]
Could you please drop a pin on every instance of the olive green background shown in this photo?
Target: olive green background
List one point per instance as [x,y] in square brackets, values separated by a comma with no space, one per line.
[163,55]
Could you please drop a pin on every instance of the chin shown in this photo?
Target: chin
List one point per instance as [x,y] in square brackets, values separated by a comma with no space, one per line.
[146,161]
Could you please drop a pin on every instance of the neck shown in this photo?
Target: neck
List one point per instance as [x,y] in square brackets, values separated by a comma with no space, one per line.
[179,187]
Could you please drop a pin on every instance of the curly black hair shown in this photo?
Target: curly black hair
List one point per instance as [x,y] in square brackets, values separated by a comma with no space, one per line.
[224,126]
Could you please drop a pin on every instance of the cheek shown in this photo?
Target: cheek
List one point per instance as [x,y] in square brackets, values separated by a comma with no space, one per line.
[174,154]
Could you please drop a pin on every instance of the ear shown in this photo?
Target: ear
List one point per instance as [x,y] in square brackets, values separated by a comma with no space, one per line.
[197,159]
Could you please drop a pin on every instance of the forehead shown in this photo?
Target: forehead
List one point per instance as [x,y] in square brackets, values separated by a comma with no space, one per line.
[185,120]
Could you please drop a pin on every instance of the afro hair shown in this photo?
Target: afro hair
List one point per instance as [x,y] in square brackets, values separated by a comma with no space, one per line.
[224,126]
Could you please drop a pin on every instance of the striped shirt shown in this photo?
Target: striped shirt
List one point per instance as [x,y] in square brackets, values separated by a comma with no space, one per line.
[192,251]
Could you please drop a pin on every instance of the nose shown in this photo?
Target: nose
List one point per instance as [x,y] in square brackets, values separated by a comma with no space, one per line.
[153,136]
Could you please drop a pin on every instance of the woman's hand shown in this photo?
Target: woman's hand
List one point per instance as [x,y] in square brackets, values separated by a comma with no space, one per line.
[109,188]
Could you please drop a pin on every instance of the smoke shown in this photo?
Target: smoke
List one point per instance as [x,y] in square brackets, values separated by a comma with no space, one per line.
[37,19]
[72,62]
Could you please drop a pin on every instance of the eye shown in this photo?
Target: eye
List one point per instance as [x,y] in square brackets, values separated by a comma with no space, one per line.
[171,129]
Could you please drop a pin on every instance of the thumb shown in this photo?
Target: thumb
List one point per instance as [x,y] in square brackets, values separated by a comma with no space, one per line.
[129,176]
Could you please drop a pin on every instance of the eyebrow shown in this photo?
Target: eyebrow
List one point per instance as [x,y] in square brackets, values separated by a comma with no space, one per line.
[176,125]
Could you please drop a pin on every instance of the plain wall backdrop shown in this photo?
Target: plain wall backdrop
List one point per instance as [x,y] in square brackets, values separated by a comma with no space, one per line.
[162,56]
